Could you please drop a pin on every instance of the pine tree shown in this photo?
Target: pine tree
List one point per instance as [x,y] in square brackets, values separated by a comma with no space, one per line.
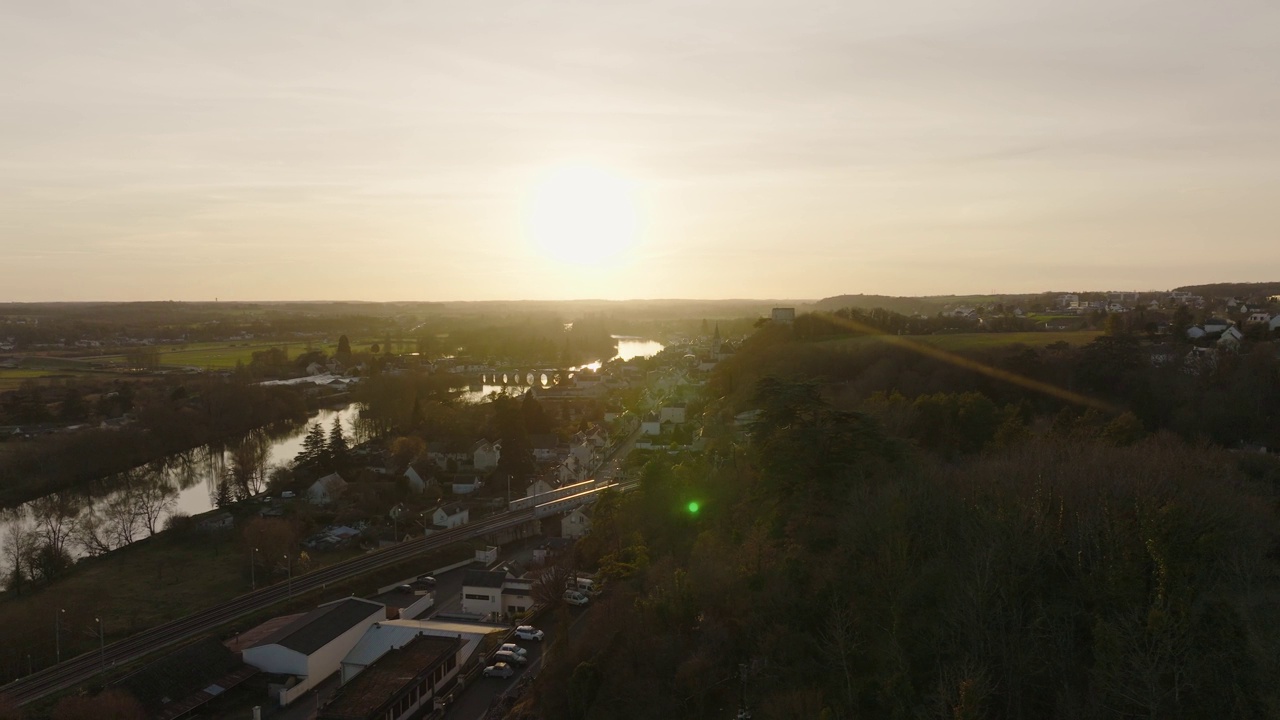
[314,451]
[338,451]
[223,498]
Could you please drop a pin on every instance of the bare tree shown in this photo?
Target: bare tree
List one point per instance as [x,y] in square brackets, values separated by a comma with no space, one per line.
[89,532]
[21,543]
[120,513]
[249,465]
[152,498]
[55,516]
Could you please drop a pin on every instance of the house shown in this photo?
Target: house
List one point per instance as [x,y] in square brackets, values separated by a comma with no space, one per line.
[1258,318]
[1274,323]
[1195,333]
[402,683]
[538,487]
[482,592]
[1215,325]
[673,413]
[783,315]
[310,649]
[1230,338]
[327,489]
[575,524]
[441,454]
[494,592]
[651,425]
[582,451]
[451,515]
[416,483]
[466,484]
[485,455]
[544,447]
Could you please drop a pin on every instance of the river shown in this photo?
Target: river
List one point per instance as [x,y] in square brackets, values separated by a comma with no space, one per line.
[194,476]
[629,347]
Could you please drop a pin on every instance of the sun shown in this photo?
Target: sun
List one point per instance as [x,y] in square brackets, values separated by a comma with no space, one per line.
[583,214]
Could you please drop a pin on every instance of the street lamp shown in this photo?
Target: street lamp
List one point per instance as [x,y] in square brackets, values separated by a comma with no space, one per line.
[102,647]
[57,631]
[289,567]
[253,577]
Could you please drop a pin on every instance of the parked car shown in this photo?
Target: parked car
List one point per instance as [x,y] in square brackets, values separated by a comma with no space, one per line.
[529,632]
[512,647]
[501,670]
[573,597]
[427,580]
[509,657]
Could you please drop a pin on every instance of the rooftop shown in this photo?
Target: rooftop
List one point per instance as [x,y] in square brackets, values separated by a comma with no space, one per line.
[382,681]
[320,626]
[481,578]
[186,678]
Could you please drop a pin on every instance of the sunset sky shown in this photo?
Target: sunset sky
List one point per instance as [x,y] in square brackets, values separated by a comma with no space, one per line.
[698,149]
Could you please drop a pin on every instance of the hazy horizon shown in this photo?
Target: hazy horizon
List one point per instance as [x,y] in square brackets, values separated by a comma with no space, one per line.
[155,151]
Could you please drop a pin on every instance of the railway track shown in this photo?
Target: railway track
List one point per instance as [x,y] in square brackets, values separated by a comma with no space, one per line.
[83,667]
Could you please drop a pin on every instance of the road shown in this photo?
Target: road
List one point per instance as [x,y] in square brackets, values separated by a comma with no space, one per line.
[478,699]
[82,668]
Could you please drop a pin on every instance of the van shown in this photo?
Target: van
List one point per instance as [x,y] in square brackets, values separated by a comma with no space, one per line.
[583,585]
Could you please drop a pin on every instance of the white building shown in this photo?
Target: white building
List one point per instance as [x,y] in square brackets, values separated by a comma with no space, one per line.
[311,648]
[451,515]
[416,483]
[783,315]
[651,425]
[482,592]
[673,413]
[575,524]
[327,489]
[485,455]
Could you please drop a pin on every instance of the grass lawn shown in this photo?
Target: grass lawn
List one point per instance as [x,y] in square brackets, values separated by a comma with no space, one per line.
[960,342]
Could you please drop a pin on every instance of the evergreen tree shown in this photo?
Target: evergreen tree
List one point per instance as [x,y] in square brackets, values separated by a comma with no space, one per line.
[314,451]
[223,498]
[338,451]
[344,346]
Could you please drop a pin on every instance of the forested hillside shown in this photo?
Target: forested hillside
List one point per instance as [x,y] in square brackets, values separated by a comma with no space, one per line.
[910,542]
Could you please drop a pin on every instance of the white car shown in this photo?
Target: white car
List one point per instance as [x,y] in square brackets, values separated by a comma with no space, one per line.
[501,670]
[512,647]
[573,597]
[509,657]
[529,632]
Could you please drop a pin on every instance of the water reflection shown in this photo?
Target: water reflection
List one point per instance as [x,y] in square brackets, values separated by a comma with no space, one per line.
[119,509]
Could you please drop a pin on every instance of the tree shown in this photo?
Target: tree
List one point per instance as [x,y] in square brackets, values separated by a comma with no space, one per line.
[339,453]
[73,406]
[344,347]
[273,537]
[153,497]
[1181,322]
[314,450]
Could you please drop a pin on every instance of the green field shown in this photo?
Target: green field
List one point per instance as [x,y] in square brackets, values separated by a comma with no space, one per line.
[225,355]
[12,378]
[973,341]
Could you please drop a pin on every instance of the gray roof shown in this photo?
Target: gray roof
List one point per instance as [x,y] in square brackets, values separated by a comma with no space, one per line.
[481,578]
[322,625]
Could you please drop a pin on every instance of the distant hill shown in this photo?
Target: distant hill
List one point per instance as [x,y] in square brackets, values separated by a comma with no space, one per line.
[927,305]
[1245,290]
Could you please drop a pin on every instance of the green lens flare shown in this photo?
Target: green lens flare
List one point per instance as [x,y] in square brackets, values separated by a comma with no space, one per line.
[693,507]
